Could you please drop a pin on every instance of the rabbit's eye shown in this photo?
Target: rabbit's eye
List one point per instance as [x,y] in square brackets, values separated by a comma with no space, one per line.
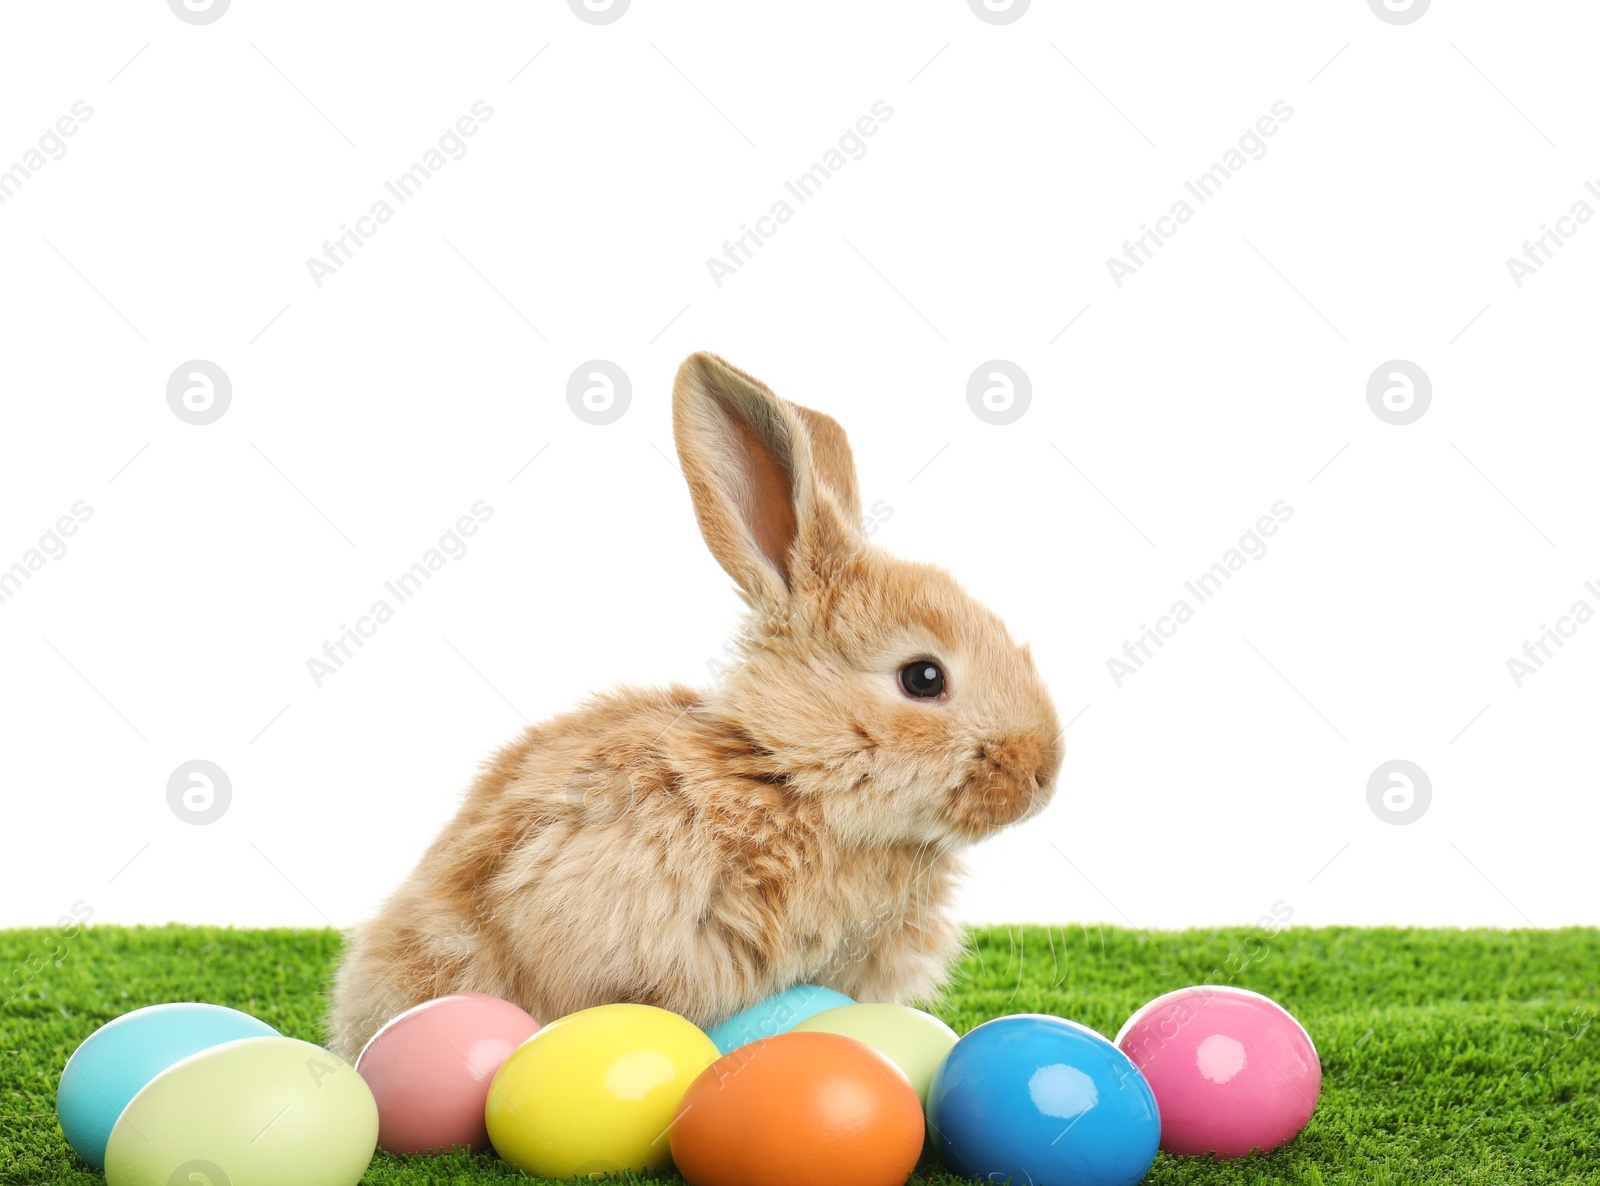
[923,679]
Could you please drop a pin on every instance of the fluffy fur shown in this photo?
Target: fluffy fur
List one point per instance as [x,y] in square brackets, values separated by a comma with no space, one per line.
[702,849]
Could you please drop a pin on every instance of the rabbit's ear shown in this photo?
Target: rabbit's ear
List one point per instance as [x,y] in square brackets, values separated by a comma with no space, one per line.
[748,457]
[835,463]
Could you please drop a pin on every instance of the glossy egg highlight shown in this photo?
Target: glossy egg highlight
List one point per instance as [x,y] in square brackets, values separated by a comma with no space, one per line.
[596,1091]
[1035,1098]
[1231,1070]
[799,1109]
[430,1069]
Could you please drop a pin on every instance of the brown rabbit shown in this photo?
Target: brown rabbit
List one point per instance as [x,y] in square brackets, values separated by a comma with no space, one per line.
[702,849]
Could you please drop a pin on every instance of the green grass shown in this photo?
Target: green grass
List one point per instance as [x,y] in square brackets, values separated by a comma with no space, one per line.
[1448,1056]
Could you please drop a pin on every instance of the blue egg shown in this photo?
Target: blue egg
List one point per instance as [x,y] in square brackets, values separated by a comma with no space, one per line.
[775,1015]
[119,1058]
[1041,1099]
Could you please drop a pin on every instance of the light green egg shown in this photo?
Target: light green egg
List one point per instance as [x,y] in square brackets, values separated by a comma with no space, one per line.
[914,1041]
[253,1112]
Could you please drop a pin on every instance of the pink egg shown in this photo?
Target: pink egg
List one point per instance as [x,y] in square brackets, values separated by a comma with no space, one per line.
[430,1070]
[1231,1070]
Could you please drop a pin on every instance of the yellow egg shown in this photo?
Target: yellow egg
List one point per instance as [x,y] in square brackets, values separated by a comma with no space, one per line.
[253,1112]
[594,1092]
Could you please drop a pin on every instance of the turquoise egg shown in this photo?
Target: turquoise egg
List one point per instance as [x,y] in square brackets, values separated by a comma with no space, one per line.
[775,1015]
[116,1061]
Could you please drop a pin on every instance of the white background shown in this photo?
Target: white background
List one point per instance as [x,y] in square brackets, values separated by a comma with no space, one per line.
[368,414]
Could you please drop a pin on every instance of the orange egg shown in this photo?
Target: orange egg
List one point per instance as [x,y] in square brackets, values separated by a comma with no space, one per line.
[795,1110]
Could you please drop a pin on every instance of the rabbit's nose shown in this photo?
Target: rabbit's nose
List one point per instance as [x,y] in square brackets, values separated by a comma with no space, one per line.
[1048,763]
[1006,781]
